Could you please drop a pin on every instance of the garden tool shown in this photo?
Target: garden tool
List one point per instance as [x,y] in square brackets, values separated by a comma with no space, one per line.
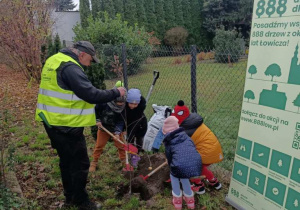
[43,117]
[154,171]
[193,179]
[128,167]
[127,147]
[155,77]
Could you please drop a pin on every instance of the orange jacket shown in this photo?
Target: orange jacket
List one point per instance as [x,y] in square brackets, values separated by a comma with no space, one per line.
[207,145]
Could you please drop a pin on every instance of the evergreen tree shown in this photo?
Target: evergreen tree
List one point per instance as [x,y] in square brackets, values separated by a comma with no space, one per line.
[119,7]
[57,43]
[64,5]
[96,7]
[178,12]
[198,34]
[222,12]
[169,14]
[84,7]
[108,6]
[161,22]
[187,17]
[141,13]
[130,12]
[150,13]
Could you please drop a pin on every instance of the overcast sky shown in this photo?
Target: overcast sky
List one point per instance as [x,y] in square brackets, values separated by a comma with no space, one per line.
[76,2]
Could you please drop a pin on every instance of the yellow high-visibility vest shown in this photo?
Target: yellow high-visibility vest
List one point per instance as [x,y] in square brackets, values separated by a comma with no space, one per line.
[61,107]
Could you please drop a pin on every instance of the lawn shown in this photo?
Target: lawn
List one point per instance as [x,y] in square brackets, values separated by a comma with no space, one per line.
[219,94]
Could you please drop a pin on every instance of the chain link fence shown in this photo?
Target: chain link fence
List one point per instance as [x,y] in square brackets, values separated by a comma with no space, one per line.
[210,82]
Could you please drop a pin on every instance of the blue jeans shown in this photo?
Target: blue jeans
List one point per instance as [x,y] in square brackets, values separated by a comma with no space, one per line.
[186,185]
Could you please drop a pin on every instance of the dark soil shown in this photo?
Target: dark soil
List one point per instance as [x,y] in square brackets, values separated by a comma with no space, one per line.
[152,185]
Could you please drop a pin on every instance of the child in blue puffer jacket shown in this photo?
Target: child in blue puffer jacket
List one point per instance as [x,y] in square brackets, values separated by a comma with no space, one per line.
[184,162]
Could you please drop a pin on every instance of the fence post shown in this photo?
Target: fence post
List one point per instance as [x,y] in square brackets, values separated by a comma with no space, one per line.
[124,64]
[193,78]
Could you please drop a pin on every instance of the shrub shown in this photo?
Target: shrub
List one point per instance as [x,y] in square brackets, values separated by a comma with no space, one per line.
[53,46]
[177,61]
[107,34]
[227,45]
[201,56]
[176,37]
[188,58]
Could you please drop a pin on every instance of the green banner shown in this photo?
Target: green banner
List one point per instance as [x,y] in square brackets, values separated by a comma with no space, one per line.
[266,170]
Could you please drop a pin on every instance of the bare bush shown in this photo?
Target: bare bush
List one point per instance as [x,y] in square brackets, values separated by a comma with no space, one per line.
[24,28]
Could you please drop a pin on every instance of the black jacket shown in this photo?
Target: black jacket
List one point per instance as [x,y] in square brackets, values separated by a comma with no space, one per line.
[111,120]
[191,123]
[71,77]
[136,121]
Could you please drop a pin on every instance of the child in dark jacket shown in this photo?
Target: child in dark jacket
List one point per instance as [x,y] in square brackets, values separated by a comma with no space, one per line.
[184,161]
[206,143]
[135,120]
[109,115]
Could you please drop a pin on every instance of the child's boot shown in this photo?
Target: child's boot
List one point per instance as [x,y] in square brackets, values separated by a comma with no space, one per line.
[189,200]
[215,183]
[177,200]
[198,186]
[93,166]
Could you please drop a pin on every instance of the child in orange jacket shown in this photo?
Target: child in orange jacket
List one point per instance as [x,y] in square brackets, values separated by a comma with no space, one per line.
[205,141]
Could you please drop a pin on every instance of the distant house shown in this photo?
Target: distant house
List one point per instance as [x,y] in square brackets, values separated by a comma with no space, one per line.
[63,25]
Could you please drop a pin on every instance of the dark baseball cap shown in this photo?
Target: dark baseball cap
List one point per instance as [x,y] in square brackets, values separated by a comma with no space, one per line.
[88,48]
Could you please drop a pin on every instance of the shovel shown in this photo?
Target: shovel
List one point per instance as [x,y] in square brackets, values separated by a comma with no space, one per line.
[127,147]
[155,77]
[154,171]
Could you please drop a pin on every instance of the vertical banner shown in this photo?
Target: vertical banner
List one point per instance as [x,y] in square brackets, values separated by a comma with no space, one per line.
[266,170]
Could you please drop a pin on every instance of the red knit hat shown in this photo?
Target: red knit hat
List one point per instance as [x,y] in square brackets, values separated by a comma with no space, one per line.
[181,111]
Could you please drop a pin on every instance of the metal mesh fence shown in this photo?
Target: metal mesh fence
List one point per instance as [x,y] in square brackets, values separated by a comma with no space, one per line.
[209,81]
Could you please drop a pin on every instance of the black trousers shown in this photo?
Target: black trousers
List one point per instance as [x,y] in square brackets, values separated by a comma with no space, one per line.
[74,163]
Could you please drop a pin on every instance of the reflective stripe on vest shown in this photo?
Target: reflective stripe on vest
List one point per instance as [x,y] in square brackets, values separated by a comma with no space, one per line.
[61,107]
[65,110]
[55,94]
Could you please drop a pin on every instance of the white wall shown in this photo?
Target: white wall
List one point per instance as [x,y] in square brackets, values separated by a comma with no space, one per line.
[63,25]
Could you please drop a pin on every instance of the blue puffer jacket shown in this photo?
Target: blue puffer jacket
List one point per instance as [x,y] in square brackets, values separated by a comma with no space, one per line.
[183,158]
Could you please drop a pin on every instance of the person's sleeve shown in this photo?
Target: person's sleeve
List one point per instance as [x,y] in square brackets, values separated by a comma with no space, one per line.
[77,81]
[168,154]
[142,104]
[158,140]
[98,111]
[119,127]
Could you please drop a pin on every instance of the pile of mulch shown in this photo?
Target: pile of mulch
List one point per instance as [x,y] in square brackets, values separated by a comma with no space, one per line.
[152,185]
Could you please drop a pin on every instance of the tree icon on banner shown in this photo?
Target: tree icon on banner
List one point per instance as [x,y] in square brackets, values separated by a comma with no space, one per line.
[296,102]
[249,95]
[252,70]
[273,70]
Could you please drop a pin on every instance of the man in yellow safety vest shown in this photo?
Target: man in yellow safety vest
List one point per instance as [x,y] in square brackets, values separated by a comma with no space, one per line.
[66,105]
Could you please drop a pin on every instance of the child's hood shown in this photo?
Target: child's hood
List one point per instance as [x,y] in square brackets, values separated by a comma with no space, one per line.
[191,123]
[175,137]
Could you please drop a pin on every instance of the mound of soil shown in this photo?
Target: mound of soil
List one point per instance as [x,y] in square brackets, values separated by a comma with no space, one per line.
[152,185]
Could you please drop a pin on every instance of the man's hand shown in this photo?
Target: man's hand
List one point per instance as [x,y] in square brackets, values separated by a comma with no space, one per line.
[99,124]
[122,91]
